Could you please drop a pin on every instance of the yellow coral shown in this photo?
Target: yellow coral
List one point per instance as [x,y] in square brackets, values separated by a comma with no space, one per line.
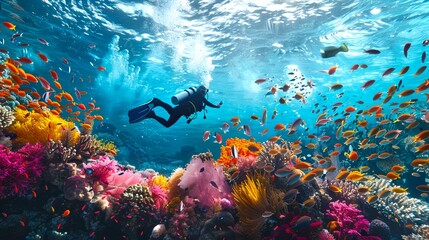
[242,145]
[33,127]
[173,184]
[108,146]
[161,181]
[254,197]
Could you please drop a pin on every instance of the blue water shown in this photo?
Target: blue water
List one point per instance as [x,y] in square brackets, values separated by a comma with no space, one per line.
[158,48]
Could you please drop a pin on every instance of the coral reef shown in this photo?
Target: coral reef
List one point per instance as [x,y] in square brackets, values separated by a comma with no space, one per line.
[204,181]
[218,227]
[405,208]
[380,229]
[351,221]
[242,145]
[254,197]
[20,170]
[6,117]
[33,127]
[77,188]
[136,212]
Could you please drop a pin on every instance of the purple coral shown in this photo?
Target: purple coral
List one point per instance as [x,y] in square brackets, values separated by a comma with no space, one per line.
[205,182]
[350,219]
[20,170]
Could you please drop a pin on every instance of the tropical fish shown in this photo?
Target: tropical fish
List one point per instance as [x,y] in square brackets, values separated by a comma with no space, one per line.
[406,47]
[332,51]
[387,72]
[372,51]
[420,71]
[368,84]
[206,136]
[218,138]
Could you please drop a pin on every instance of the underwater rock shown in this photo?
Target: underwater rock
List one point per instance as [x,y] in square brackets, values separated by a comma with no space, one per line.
[77,188]
[380,229]
[218,227]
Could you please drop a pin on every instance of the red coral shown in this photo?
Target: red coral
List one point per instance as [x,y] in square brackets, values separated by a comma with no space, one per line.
[20,170]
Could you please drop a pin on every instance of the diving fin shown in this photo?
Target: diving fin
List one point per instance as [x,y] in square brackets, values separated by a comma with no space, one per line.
[139,113]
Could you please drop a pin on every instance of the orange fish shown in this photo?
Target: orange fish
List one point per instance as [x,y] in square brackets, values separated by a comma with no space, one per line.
[352,155]
[68,96]
[332,69]
[9,26]
[101,68]
[66,213]
[335,189]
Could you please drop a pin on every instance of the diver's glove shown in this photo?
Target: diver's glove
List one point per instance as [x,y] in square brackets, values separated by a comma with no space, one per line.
[220,104]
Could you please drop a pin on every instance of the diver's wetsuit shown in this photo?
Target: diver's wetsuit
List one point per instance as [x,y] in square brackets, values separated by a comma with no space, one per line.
[195,103]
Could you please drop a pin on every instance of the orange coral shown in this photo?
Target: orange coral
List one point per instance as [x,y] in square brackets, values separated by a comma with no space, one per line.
[242,145]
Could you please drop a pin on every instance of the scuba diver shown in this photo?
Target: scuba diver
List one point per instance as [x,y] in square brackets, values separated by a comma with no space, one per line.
[189,101]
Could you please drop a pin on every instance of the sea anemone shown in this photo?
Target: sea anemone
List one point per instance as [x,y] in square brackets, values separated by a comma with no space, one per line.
[254,197]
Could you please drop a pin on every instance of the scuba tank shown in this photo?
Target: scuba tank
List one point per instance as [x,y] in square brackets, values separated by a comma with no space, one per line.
[178,98]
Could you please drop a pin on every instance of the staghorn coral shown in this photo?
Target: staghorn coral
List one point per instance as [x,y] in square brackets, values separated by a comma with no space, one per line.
[136,212]
[242,145]
[33,127]
[87,147]
[253,197]
[6,117]
[19,171]
[285,157]
[349,191]
[350,219]
[57,153]
[405,208]
[205,181]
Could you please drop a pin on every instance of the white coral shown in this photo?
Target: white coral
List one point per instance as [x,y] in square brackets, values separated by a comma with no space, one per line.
[6,117]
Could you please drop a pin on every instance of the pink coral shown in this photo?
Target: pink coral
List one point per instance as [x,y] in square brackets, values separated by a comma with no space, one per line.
[20,170]
[205,182]
[159,197]
[117,183]
[246,163]
[101,169]
[350,219]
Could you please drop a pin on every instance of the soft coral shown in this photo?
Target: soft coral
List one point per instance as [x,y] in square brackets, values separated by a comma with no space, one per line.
[20,170]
